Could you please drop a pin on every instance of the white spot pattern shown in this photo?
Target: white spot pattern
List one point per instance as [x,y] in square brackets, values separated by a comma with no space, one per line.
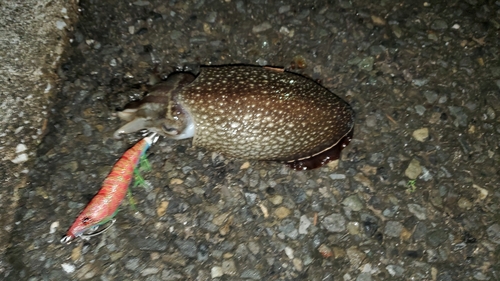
[258,113]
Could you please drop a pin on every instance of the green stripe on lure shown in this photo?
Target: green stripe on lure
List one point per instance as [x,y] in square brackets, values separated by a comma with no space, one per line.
[247,112]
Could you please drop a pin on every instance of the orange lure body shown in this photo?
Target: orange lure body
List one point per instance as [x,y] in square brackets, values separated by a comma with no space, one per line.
[105,203]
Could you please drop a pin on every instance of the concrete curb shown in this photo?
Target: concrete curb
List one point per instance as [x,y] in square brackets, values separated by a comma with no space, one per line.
[33,37]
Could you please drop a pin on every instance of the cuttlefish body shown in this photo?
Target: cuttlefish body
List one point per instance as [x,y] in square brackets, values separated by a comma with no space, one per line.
[247,112]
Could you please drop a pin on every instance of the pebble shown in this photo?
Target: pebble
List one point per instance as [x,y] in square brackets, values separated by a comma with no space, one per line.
[337,176]
[68,268]
[377,157]
[369,170]
[21,148]
[285,31]
[426,174]
[333,165]
[250,198]
[353,228]
[421,134]
[162,209]
[307,259]
[325,251]
[420,109]
[483,193]
[431,96]
[60,24]
[378,20]
[367,267]
[241,250]
[187,247]
[298,264]
[253,179]
[352,202]
[345,4]
[141,3]
[203,252]
[53,227]
[436,238]
[304,223]
[405,234]
[284,9]
[175,35]
[220,219]
[395,270]
[420,82]
[355,256]
[211,17]
[132,264]
[282,212]
[261,27]
[216,271]
[478,275]
[490,112]
[460,116]
[289,252]
[439,24]
[464,203]
[240,6]
[228,267]
[334,223]
[417,210]
[364,276]
[76,252]
[366,63]
[186,169]
[170,275]
[149,271]
[433,256]
[393,228]
[364,180]
[251,274]
[21,158]
[414,169]
[371,120]
[471,105]
[175,181]
[116,256]
[276,199]
[253,247]
[264,210]
[288,228]
[494,233]
[338,252]
[495,71]
[390,212]
[397,31]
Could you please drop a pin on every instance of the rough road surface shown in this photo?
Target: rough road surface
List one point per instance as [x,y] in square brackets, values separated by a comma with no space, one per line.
[414,197]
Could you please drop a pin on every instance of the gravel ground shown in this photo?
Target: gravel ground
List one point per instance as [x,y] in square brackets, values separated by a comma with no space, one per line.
[414,196]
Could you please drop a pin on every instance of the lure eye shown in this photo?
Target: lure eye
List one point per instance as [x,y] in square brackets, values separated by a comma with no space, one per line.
[86,220]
